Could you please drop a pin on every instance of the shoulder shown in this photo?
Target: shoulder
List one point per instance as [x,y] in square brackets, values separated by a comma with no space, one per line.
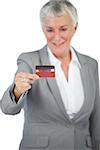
[28,58]
[28,55]
[26,61]
[92,62]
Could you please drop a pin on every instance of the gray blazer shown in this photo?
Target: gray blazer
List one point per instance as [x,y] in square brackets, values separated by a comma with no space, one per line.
[47,125]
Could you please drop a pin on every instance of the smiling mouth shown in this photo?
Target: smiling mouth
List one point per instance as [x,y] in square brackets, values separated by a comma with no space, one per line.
[57,45]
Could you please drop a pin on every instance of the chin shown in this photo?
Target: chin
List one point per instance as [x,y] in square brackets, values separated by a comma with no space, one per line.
[59,47]
[53,46]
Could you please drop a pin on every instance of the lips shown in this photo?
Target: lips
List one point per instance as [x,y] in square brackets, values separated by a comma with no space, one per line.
[58,44]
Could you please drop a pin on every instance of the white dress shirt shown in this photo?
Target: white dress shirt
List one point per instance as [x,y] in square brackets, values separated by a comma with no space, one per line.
[72,90]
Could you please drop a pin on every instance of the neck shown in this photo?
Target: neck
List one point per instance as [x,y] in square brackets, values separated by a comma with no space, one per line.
[66,57]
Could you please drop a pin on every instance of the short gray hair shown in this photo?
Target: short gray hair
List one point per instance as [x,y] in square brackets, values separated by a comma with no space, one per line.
[59,8]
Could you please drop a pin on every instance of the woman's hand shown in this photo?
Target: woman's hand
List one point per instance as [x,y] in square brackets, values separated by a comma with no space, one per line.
[23,82]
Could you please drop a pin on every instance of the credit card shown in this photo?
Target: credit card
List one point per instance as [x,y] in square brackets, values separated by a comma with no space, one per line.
[45,71]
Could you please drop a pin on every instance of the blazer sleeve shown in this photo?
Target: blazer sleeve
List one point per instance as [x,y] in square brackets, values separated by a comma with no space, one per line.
[8,104]
[95,116]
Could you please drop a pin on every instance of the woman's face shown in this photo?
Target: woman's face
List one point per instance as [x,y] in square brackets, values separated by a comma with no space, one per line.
[58,32]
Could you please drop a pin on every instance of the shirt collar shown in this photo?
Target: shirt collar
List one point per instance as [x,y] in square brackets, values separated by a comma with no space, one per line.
[75,58]
[54,60]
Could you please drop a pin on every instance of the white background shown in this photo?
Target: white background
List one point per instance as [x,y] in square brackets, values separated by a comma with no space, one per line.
[20,31]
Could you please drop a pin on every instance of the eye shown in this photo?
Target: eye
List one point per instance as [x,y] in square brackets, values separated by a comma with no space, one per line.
[49,30]
[63,29]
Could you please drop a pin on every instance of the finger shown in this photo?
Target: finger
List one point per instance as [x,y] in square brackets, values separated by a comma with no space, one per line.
[27,75]
[25,80]
[25,87]
[21,80]
[35,76]
[22,87]
[29,87]
[24,75]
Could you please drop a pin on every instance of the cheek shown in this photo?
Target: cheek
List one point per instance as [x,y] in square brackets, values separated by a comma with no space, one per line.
[68,36]
[49,36]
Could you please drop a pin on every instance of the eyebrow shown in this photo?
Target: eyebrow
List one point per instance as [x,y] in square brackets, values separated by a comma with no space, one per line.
[48,27]
[64,26]
[60,26]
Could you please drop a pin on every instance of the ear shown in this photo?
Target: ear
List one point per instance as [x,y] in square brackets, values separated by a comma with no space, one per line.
[76,26]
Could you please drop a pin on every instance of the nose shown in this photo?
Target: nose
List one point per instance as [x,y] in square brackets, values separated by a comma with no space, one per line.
[57,37]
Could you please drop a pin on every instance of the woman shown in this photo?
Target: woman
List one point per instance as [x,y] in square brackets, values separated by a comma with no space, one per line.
[63,112]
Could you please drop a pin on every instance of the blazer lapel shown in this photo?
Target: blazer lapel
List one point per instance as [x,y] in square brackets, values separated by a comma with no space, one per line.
[86,80]
[52,84]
